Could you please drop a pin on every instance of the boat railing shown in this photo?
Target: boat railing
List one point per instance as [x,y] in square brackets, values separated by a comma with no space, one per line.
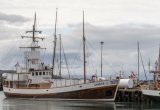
[71,82]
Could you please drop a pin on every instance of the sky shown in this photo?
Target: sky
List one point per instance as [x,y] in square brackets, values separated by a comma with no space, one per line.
[120,24]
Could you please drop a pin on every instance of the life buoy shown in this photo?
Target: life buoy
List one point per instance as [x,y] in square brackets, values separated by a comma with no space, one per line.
[29,80]
[109,93]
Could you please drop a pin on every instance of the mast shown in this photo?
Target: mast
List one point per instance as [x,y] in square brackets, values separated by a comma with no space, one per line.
[157,68]
[138,61]
[33,34]
[101,56]
[60,54]
[34,25]
[84,52]
[54,47]
[34,44]
[159,60]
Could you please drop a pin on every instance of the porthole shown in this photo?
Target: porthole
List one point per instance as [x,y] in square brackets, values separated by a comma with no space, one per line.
[109,93]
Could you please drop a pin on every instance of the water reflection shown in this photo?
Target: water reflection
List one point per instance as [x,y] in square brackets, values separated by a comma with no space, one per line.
[21,104]
[36,104]
[137,106]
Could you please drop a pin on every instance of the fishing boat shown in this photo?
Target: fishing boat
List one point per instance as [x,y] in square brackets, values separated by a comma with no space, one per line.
[152,90]
[36,79]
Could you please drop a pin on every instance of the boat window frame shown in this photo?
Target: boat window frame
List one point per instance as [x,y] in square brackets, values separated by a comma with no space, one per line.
[44,73]
[36,73]
[49,73]
[40,73]
[33,74]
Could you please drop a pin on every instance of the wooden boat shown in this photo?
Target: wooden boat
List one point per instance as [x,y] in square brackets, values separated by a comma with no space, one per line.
[36,79]
[152,90]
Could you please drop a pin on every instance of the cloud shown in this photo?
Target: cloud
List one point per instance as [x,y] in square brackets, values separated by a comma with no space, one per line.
[12,18]
[9,33]
[120,44]
[119,48]
[118,37]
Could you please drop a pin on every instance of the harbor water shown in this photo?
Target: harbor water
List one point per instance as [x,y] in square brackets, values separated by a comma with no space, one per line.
[49,104]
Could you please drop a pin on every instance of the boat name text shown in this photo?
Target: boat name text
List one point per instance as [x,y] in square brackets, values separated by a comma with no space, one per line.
[99,84]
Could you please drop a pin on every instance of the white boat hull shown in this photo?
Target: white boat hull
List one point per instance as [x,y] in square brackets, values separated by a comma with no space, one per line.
[91,91]
[152,94]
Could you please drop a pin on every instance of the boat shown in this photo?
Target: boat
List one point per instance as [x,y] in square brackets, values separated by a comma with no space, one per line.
[152,90]
[36,79]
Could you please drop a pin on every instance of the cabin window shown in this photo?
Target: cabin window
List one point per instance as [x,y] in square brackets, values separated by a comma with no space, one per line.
[32,73]
[36,73]
[40,73]
[43,73]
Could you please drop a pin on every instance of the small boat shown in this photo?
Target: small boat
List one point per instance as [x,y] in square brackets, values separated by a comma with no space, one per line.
[36,80]
[152,90]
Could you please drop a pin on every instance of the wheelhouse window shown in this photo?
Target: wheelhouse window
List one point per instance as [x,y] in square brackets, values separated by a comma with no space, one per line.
[40,73]
[32,73]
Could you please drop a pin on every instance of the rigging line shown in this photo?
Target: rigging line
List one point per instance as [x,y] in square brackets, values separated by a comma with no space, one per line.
[60,48]
[20,53]
[90,62]
[44,52]
[87,63]
[57,60]
[103,57]
[143,65]
[44,55]
[76,56]
[65,60]
[13,56]
[75,60]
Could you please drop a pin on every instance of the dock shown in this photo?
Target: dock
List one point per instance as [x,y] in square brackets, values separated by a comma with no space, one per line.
[131,95]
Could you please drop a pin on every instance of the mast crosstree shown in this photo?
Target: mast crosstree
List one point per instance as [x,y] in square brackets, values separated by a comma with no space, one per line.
[33,37]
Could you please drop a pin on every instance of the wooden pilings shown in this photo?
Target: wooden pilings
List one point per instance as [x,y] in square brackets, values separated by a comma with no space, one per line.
[131,95]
